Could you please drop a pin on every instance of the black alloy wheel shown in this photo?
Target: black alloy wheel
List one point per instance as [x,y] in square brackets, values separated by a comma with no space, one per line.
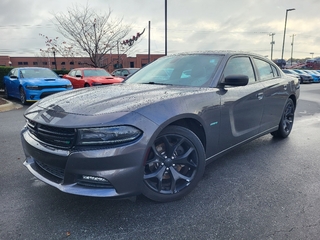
[286,122]
[22,96]
[174,166]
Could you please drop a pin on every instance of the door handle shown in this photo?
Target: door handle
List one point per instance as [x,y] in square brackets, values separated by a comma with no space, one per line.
[260,96]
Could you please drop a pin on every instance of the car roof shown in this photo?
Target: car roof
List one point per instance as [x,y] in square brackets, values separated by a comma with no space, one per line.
[32,68]
[87,68]
[218,52]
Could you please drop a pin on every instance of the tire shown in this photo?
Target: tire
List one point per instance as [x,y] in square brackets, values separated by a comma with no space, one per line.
[286,122]
[22,96]
[86,85]
[6,94]
[174,166]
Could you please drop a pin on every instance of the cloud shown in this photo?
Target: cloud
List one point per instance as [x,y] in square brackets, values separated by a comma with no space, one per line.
[192,24]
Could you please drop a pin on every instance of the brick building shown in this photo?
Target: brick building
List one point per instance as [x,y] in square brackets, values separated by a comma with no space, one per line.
[62,63]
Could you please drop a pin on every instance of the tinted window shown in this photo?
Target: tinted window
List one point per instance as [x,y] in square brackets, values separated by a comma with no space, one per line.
[264,69]
[240,66]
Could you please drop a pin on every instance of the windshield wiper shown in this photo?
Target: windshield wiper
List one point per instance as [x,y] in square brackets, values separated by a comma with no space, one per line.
[157,83]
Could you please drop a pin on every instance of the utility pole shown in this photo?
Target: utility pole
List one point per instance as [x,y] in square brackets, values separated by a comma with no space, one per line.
[272,42]
[149,41]
[292,47]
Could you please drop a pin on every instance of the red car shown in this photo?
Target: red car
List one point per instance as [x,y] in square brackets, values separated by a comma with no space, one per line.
[88,77]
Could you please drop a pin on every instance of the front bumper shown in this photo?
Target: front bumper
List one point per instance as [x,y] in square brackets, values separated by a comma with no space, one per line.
[36,95]
[108,172]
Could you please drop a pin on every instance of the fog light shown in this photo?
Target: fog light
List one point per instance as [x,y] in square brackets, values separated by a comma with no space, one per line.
[32,96]
[96,179]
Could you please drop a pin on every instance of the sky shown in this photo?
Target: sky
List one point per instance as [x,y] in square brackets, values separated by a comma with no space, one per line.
[192,25]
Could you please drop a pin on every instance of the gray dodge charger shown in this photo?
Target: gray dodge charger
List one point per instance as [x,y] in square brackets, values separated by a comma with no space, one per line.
[154,133]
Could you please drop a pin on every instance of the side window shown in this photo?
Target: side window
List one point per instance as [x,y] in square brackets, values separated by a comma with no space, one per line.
[12,73]
[73,73]
[117,73]
[275,72]
[240,66]
[264,69]
[78,73]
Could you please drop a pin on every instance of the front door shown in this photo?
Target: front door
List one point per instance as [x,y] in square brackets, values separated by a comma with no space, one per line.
[241,106]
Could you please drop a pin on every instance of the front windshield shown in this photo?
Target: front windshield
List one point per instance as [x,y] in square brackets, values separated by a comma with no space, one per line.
[185,70]
[96,73]
[37,73]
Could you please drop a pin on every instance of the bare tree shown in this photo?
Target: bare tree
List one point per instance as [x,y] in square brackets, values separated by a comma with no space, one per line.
[88,33]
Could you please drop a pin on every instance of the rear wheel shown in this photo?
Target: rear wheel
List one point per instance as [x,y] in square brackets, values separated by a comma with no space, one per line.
[286,122]
[86,85]
[22,96]
[174,166]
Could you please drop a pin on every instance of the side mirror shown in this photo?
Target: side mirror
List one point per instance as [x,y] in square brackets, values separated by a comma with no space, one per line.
[78,75]
[236,80]
[13,77]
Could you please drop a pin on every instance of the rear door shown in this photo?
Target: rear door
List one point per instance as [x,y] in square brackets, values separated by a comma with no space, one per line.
[241,106]
[275,93]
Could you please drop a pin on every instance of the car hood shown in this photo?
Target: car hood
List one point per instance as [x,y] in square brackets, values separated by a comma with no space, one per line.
[112,98]
[45,81]
[101,79]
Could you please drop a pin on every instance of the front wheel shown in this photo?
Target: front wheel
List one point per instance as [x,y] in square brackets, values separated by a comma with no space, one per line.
[174,166]
[286,122]
[23,96]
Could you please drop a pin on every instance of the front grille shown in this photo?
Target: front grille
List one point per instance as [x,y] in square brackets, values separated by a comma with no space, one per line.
[45,94]
[55,171]
[53,136]
[53,86]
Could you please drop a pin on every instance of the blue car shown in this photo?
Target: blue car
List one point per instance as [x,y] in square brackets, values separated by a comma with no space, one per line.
[316,77]
[314,74]
[30,84]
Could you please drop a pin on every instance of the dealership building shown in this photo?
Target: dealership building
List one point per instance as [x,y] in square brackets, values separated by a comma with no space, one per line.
[61,63]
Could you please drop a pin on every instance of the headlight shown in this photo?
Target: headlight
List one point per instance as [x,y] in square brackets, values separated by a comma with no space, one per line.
[107,135]
[32,87]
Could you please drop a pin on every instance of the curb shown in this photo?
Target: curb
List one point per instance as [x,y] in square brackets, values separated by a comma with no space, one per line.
[9,106]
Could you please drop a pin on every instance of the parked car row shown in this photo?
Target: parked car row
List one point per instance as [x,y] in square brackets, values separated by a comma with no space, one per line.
[304,75]
[30,84]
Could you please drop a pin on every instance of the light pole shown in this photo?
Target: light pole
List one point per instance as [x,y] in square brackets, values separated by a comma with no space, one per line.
[292,47]
[165,29]
[284,32]
[272,42]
